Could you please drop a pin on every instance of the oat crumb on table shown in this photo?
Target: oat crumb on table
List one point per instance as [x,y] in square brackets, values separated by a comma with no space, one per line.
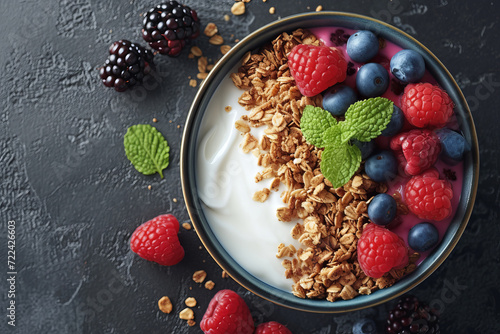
[209,285]
[238,8]
[325,266]
[186,314]
[199,276]
[165,305]
[186,226]
[211,29]
[190,302]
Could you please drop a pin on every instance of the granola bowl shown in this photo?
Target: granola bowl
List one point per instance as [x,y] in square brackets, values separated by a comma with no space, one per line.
[236,219]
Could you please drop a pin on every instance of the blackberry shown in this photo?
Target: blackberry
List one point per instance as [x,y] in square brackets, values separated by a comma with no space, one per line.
[126,65]
[167,27]
[411,316]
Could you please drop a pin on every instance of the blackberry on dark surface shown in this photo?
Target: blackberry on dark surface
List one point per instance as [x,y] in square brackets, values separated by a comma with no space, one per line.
[167,27]
[126,65]
[339,37]
[411,316]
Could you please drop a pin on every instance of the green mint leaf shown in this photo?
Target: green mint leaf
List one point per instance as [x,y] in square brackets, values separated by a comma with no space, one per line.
[340,162]
[333,135]
[146,149]
[314,122]
[365,120]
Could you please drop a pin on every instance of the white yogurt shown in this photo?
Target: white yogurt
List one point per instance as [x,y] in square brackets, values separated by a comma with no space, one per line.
[248,230]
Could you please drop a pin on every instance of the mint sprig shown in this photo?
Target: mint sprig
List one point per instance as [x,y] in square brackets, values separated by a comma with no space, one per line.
[364,120]
[147,149]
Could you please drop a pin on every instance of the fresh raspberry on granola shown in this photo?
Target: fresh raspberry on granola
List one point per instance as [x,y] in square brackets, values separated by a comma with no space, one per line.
[428,196]
[315,68]
[272,327]
[426,105]
[416,150]
[227,313]
[156,240]
[380,250]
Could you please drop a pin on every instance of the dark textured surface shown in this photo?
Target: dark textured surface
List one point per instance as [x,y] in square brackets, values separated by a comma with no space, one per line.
[76,199]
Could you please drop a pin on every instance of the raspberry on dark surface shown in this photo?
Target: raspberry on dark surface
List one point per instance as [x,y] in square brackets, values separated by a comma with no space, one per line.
[169,26]
[126,66]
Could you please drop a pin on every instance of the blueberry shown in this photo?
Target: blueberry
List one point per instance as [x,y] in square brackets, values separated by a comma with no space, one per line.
[395,124]
[381,167]
[408,66]
[453,146]
[338,98]
[423,237]
[364,326]
[372,80]
[362,46]
[382,209]
[366,147]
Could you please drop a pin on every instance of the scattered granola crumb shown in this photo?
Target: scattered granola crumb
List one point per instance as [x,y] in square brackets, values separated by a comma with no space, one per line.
[228,108]
[209,67]
[199,276]
[178,126]
[261,195]
[190,55]
[149,187]
[238,8]
[236,40]
[264,0]
[155,120]
[202,75]
[227,17]
[196,51]
[186,314]
[175,200]
[216,40]
[200,248]
[170,121]
[186,226]
[192,83]
[272,10]
[209,285]
[211,29]
[224,49]
[224,274]
[191,322]
[202,64]
[319,8]
[190,302]
[165,304]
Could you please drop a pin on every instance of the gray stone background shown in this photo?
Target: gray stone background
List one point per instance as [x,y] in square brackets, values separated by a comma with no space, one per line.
[76,199]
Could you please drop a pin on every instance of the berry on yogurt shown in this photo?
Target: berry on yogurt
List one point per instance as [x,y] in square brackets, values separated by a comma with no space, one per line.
[372,80]
[382,167]
[408,66]
[382,209]
[423,237]
[338,98]
[362,46]
[453,146]
[396,123]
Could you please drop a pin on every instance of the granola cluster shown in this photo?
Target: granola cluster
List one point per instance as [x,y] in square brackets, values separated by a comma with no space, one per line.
[331,219]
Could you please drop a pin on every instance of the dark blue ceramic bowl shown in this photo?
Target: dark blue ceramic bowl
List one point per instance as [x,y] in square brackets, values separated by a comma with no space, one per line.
[222,70]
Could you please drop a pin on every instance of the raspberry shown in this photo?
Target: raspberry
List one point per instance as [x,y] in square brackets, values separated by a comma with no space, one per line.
[429,197]
[416,150]
[156,240]
[315,68]
[167,27]
[272,327]
[126,65]
[426,105]
[227,313]
[380,250]
[412,316]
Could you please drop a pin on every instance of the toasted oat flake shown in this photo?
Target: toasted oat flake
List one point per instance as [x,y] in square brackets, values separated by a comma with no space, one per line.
[226,17]
[202,76]
[209,285]
[211,29]
[216,40]
[202,64]
[199,276]
[165,305]
[228,108]
[186,314]
[191,322]
[186,226]
[319,8]
[190,302]
[224,274]
[196,51]
[225,49]
[238,8]
[261,195]
[192,83]
[272,10]
[242,126]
